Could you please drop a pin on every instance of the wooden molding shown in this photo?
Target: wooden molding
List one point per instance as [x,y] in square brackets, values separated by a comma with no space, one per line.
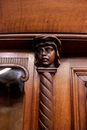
[32,35]
[71,43]
[79,92]
[24,77]
[15,62]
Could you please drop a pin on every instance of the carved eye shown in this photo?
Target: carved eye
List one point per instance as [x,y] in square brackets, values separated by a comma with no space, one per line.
[40,51]
[49,49]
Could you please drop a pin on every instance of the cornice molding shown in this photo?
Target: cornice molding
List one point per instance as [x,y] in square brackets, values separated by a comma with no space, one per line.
[32,35]
[71,43]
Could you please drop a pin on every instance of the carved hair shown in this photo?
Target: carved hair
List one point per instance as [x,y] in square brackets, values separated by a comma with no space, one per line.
[53,41]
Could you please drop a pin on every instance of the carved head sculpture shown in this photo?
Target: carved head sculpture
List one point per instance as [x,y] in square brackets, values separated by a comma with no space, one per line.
[47,51]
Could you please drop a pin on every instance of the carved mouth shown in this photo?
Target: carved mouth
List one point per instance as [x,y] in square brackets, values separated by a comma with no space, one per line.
[44,59]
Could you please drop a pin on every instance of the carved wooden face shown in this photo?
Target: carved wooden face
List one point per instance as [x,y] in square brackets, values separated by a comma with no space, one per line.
[46,55]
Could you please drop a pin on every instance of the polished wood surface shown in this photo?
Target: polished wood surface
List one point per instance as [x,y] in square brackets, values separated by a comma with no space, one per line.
[69,88]
[70,95]
[18,16]
[47,52]
[79,95]
[71,43]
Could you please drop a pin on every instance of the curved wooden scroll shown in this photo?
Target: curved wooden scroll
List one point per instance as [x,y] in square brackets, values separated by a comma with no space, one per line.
[24,77]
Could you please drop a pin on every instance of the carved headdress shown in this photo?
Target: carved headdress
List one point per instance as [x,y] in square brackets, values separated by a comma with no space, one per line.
[49,40]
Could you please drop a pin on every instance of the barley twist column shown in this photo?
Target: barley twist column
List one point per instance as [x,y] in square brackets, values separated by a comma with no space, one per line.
[46,99]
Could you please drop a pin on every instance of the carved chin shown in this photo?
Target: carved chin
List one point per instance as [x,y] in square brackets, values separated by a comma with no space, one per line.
[44,63]
[47,64]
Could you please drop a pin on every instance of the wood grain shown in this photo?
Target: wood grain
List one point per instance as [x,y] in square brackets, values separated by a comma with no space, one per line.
[18,16]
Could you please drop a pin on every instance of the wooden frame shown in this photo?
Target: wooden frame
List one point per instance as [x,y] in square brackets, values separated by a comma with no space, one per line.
[22,61]
[78,90]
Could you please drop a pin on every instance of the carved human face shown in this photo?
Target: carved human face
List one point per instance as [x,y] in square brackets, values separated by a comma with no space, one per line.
[46,55]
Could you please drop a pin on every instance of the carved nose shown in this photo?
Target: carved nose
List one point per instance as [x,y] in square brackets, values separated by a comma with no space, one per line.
[43,53]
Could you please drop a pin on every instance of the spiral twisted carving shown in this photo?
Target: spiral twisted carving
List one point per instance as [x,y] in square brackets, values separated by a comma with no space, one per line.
[46,102]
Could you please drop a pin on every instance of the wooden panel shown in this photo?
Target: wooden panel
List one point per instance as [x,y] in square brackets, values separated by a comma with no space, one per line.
[28,90]
[70,94]
[79,77]
[62,113]
[35,102]
[43,16]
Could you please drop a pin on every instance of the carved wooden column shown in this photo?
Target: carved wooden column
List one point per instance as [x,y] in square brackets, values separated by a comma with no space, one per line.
[46,98]
[47,49]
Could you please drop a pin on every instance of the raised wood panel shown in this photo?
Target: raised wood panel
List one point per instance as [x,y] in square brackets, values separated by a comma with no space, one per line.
[18,16]
[79,98]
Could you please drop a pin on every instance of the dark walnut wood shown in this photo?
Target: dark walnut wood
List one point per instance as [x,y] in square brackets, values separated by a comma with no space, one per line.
[47,54]
[71,43]
[46,112]
[47,51]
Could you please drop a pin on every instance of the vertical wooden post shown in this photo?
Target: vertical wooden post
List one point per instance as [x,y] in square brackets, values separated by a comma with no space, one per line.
[46,98]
